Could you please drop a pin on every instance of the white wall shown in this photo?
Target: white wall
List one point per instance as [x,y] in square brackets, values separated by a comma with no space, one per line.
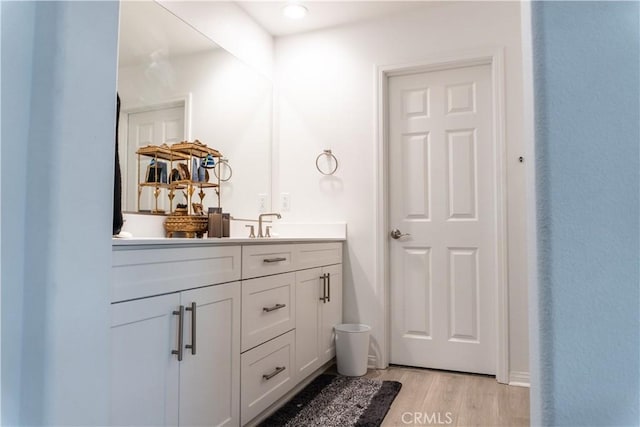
[230,27]
[326,99]
[231,107]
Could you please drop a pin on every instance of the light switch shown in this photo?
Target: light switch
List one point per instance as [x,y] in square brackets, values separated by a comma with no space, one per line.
[285,202]
[262,202]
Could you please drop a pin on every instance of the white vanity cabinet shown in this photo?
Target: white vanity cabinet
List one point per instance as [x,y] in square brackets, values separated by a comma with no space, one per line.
[291,300]
[211,335]
[150,385]
[175,358]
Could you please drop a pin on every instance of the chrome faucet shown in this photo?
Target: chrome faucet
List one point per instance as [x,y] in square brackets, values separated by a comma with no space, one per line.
[277,215]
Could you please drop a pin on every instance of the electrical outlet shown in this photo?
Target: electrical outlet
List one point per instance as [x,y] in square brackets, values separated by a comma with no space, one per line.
[285,202]
[262,202]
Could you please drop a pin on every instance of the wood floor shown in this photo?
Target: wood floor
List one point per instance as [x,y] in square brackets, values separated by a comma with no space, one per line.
[430,397]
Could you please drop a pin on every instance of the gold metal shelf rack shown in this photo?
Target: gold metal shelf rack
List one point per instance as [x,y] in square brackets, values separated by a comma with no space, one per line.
[181,152]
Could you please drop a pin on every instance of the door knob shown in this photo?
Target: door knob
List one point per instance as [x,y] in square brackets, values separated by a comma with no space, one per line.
[396,234]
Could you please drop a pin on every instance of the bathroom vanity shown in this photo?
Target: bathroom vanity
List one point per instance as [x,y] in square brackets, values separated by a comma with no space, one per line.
[215,332]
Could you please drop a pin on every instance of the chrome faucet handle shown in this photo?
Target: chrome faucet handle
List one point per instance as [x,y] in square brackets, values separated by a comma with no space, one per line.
[252,234]
[267,233]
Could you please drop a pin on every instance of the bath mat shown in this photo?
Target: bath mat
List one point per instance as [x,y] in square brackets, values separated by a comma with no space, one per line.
[339,401]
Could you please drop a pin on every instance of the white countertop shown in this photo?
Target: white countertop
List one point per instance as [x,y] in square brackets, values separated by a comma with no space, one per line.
[149,230]
[216,241]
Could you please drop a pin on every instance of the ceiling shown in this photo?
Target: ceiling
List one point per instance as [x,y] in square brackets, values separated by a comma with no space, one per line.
[322,14]
[149,32]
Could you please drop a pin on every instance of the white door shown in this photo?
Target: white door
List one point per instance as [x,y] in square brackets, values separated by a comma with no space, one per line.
[210,378]
[157,127]
[144,372]
[443,194]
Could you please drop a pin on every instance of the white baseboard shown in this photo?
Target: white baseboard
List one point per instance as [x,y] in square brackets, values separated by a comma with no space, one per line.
[520,379]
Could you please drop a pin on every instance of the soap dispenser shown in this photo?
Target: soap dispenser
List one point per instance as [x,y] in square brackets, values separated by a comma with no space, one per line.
[214,226]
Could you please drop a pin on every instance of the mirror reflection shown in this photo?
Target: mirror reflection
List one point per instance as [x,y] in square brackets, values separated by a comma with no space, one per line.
[177,85]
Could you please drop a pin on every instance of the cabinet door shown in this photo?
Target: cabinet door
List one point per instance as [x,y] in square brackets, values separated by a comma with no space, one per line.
[331,312]
[210,378]
[308,320]
[144,373]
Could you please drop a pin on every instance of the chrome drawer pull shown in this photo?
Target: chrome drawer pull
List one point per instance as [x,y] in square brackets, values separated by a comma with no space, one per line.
[324,297]
[274,373]
[274,259]
[180,314]
[192,346]
[275,307]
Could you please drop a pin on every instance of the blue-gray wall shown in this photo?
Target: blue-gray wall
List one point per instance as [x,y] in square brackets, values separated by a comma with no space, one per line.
[59,63]
[587,90]
[17,21]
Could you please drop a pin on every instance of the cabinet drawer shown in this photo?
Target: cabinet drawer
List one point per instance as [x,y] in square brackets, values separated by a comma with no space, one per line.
[268,308]
[263,260]
[141,273]
[266,375]
[310,255]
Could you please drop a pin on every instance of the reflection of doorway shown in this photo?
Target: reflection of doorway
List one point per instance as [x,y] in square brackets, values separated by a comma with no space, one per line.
[444,174]
[157,125]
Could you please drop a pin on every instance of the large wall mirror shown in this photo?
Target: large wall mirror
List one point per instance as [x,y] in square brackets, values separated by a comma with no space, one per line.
[175,84]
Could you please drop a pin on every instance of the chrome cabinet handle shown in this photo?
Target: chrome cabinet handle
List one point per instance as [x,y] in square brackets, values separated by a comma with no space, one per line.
[323,298]
[275,307]
[274,259]
[180,314]
[192,346]
[274,373]
[328,287]
[396,234]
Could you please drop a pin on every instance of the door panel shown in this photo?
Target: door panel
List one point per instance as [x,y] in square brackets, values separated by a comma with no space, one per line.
[210,379]
[442,192]
[144,373]
[462,180]
[415,177]
[463,294]
[331,312]
[308,321]
[417,267]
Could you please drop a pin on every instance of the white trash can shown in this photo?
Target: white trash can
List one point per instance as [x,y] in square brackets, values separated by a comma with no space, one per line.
[352,349]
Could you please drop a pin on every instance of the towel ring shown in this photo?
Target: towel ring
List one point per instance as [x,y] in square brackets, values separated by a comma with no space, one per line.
[228,166]
[329,154]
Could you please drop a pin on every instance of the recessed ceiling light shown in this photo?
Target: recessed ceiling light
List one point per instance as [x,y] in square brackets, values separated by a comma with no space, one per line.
[294,11]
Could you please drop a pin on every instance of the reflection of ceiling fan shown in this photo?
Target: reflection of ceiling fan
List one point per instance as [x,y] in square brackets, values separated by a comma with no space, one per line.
[160,69]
